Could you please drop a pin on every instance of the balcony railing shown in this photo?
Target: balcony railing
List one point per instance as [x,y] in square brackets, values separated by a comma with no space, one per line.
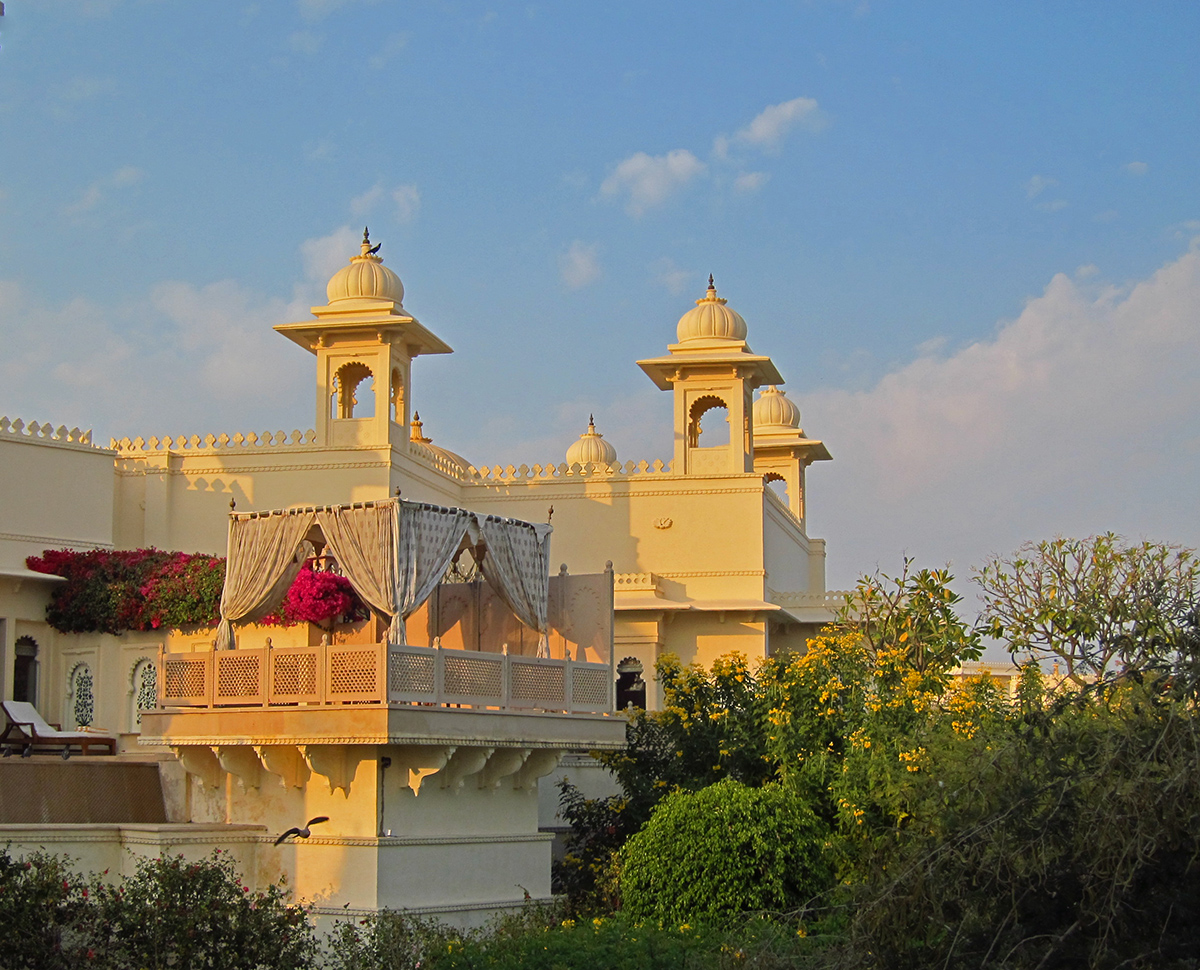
[380,674]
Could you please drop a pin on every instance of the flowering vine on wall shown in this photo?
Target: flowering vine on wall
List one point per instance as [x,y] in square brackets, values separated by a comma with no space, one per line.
[112,591]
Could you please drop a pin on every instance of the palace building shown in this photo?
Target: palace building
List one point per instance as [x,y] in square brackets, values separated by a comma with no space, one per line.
[704,554]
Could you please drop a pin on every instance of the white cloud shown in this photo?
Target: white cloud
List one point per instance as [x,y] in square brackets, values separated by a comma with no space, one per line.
[667,274]
[1053,205]
[772,124]
[97,192]
[319,150]
[1037,185]
[1137,168]
[1079,416]
[360,205]
[408,203]
[304,42]
[325,255]
[406,198]
[648,180]
[750,181]
[580,264]
[391,47]
[82,363]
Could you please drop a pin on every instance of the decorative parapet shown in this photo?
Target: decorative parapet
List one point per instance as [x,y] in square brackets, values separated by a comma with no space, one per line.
[222,442]
[832,600]
[497,473]
[45,432]
[636,583]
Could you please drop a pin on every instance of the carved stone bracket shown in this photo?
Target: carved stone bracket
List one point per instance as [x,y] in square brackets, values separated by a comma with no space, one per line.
[505,762]
[421,761]
[539,763]
[466,762]
[200,761]
[241,761]
[286,762]
[337,763]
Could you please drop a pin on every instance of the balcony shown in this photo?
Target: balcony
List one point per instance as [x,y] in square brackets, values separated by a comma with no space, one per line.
[380,674]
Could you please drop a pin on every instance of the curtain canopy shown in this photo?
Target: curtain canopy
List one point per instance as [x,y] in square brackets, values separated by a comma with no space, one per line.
[394,554]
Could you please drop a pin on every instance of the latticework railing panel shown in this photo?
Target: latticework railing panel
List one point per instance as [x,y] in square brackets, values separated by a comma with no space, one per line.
[238,676]
[294,675]
[540,685]
[184,681]
[412,673]
[473,677]
[354,673]
[591,689]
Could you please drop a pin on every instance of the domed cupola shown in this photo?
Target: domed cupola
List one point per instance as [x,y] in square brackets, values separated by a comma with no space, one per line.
[366,278]
[773,411]
[591,448]
[711,319]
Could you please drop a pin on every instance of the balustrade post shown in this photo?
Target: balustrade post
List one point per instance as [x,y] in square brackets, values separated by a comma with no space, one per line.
[506,681]
[210,678]
[439,673]
[568,678]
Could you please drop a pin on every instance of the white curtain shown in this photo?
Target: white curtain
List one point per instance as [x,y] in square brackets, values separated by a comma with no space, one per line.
[264,555]
[361,541]
[427,537]
[517,565]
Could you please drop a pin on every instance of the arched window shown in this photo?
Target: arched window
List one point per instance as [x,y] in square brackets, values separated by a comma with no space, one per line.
[631,688]
[25,671]
[144,682]
[396,397]
[777,484]
[347,383]
[82,702]
[713,427]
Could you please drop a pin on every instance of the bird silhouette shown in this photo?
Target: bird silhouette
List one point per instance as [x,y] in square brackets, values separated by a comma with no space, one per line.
[302,833]
[374,249]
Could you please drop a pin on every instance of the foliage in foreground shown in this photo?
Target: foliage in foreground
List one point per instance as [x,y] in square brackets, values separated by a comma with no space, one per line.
[968,828]
[540,938]
[170,913]
[724,850]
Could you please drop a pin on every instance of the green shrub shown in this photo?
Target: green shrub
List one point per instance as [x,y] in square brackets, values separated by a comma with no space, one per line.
[723,850]
[179,914]
[43,913]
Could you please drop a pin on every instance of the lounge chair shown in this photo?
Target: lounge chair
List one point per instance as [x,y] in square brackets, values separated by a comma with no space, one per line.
[27,730]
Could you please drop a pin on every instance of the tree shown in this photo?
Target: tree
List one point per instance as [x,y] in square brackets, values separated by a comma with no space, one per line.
[914,615]
[1094,602]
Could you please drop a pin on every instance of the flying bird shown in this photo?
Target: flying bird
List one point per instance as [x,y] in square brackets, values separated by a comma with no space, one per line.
[303,833]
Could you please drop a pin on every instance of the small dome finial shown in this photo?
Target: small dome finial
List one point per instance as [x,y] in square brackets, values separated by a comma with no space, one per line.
[416,433]
[711,284]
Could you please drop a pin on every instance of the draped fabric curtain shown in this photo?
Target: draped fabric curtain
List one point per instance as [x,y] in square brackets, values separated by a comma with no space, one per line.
[517,565]
[361,541]
[426,539]
[264,556]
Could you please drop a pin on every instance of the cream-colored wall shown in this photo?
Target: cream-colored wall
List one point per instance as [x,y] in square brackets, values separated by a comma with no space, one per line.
[56,493]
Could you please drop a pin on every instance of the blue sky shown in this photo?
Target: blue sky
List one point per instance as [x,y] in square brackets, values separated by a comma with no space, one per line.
[966,235]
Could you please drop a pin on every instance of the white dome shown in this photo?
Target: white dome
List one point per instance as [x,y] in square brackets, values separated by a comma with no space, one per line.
[591,447]
[774,410]
[366,278]
[711,318]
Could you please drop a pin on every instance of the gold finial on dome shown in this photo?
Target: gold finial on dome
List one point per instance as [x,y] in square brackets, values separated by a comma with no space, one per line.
[711,295]
[366,278]
[368,250]
[711,319]
[591,448]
